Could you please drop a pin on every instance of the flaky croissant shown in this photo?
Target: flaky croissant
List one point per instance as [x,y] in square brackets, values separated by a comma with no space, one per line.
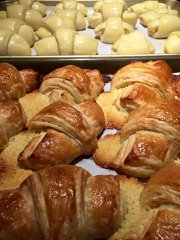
[134,85]
[77,84]
[161,201]
[14,83]
[62,202]
[65,133]
[12,120]
[149,140]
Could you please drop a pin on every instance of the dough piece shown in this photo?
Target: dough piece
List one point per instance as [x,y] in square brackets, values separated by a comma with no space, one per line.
[94,19]
[130,17]
[112,29]
[42,32]
[149,16]
[111,10]
[16,11]
[98,5]
[40,7]
[127,44]
[162,27]
[172,45]
[33,18]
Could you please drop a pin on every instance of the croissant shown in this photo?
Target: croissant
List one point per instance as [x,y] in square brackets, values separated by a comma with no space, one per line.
[149,140]
[99,4]
[71,204]
[111,30]
[12,120]
[65,133]
[160,198]
[19,27]
[126,44]
[149,16]
[146,6]
[14,83]
[172,44]
[80,84]
[76,44]
[162,27]
[134,85]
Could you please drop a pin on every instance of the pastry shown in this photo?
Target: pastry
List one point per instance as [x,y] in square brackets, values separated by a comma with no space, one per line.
[172,44]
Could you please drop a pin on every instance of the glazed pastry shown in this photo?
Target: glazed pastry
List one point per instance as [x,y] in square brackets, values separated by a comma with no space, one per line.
[12,120]
[112,29]
[77,84]
[134,85]
[65,133]
[149,140]
[160,200]
[127,44]
[69,197]
[14,83]
[172,45]
[162,27]
[76,44]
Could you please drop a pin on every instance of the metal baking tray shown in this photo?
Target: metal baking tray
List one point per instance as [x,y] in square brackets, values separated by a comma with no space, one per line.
[106,63]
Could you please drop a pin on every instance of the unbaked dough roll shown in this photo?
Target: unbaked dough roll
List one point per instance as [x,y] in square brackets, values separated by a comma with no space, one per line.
[112,29]
[42,32]
[94,19]
[67,36]
[47,47]
[18,26]
[18,46]
[16,11]
[172,44]
[53,22]
[111,10]
[40,7]
[162,27]
[4,39]
[149,16]
[133,43]
[33,18]
[85,45]
[98,5]
[130,17]
[27,3]
[145,6]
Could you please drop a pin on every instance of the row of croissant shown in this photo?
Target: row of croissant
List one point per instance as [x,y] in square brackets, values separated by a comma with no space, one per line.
[32,27]
[58,120]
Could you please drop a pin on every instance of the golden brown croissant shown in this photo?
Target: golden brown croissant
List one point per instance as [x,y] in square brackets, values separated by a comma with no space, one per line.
[149,140]
[12,120]
[65,133]
[14,83]
[77,84]
[62,202]
[134,85]
[161,201]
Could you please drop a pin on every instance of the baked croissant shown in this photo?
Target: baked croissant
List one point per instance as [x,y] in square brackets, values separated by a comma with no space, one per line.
[76,44]
[14,83]
[65,133]
[127,44]
[12,120]
[149,140]
[161,200]
[62,202]
[162,27]
[111,30]
[134,85]
[79,84]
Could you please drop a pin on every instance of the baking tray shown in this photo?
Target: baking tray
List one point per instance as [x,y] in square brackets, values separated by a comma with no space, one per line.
[105,62]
